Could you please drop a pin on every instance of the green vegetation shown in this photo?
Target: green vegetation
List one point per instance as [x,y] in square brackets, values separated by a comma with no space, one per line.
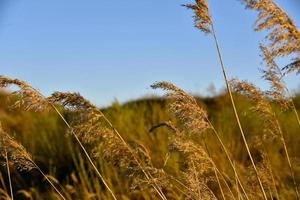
[242,144]
[44,136]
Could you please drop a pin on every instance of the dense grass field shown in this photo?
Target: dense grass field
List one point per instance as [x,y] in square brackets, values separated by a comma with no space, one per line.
[241,144]
[45,136]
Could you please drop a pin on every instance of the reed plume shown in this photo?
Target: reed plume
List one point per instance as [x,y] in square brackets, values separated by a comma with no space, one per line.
[283,35]
[262,107]
[32,99]
[92,126]
[272,128]
[266,174]
[270,131]
[278,91]
[202,19]
[198,168]
[185,108]
[18,156]
[272,73]
[193,117]
[203,16]
[28,98]
[16,153]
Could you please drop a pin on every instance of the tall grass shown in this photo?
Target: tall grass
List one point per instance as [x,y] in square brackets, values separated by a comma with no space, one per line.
[175,147]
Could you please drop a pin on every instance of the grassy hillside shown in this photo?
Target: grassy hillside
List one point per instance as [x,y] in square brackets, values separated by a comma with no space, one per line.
[45,136]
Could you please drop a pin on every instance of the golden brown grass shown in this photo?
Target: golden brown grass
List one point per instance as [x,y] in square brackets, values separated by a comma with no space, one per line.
[17,155]
[283,36]
[202,14]
[198,171]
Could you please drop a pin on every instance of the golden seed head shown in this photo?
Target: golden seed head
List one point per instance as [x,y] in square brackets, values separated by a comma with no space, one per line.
[28,98]
[272,73]
[283,36]
[202,17]
[16,153]
[185,108]
[262,107]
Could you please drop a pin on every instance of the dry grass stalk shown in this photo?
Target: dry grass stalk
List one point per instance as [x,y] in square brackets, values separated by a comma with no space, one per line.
[16,153]
[202,18]
[185,108]
[210,25]
[283,36]
[193,118]
[272,128]
[28,98]
[264,172]
[7,165]
[217,172]
[198,169]
[117,150]
[32,99]
[262,107]
[278,91]
[264,168]
[9,176]
[19,157]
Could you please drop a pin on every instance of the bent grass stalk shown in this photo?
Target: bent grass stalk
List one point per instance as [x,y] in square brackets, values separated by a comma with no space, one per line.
[229,159]
[34,99]
[204,22]
[21,158]
[50,182]
[235,111]
[265,110]
[215,168]
[288,159]
[191,115]
[272,174]
[9,176]
[85,151]
[173,129]
[148,176]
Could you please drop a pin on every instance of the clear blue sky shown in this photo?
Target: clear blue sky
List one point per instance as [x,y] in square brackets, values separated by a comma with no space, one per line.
[115,49]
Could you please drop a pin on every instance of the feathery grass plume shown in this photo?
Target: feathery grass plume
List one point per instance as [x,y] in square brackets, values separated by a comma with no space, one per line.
[266,175]
[283,36]
[266,113]
[205,16]
[28,97]
[17,154]
[265,169]
[278,91]
[185,108]
[202,18]
[262,107]
[177,134]
[9,176]
[32,99]
[197,168]
[193,118]
[91,130]
[273,75]
[19,157]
